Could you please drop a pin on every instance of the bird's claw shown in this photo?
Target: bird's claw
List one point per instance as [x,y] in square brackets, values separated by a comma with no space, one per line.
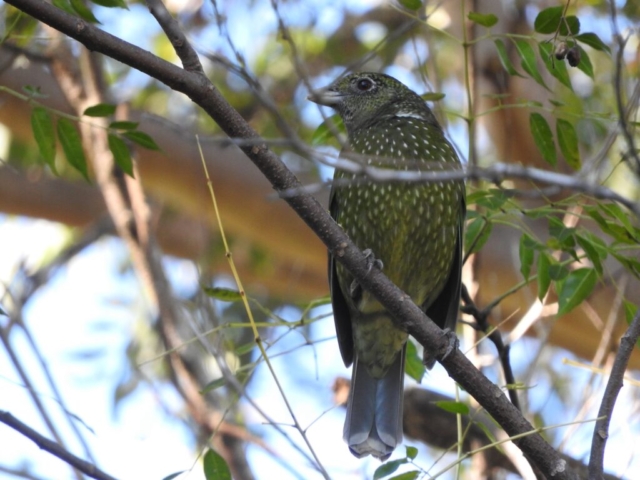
[355,290]
[429,358]
[372,260]
[452,342]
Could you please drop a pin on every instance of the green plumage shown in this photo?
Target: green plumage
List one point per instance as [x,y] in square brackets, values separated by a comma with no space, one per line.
[414,229]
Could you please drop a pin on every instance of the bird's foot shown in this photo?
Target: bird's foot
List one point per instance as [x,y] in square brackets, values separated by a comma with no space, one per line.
[372,260]
[355,290]
[429,358]
[452,342]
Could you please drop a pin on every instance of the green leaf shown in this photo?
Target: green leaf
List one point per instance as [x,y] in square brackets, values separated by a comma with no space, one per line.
[64,5]
[485,19]
[215,467]
[504,58]
[570,26]
[224,294]
[72,146]
[557,68]
[585,63]
[414,367]
[568,143]
[121,154]
[83,11]
[213,385]
[630,310]
[544,280]
[548,20]
[432,96]
[557,271]
[591,252]
[453,407]
[526,256]
[323,133]
[575,289]
[630,263]
[100,110]
[493,199]
[111,3]
[123,125]
[410,4]
[412,452]
[174,475]
[407,475]
[477,233]
[593,41]
[45,135]
[244,349]
[142,139]
[528,60]
[543,138]
[616,211]
[388,468]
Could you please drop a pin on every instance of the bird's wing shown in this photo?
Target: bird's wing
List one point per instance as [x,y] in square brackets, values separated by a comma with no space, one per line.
[341,314]
[444,310]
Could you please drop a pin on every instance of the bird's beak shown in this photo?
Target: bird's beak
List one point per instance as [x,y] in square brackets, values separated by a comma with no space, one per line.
[325,96]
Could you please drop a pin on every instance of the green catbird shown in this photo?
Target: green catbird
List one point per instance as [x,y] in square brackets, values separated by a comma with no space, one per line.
[413,230]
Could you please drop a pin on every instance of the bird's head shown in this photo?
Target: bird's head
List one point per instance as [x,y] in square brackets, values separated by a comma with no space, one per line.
[365,98]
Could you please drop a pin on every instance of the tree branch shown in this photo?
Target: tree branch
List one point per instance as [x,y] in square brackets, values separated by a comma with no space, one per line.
[409,316]
[53,448]
[601,430]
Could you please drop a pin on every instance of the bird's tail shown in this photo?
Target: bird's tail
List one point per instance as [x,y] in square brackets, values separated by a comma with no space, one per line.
[374,411]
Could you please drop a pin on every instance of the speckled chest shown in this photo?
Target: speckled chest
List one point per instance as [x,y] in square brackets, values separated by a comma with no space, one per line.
[411,227]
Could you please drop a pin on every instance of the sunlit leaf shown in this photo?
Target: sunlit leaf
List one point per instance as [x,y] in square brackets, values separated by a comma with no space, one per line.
[485,19]
[215,467]
[574,289]
[504,58]
[121,154]
[407,475]
[476,234]
[410,4]
[323,133]
[388,468]
[590,251]
[414,367]
[100,110]
[528,61]
[72,146]
[585,64]
[568,143]
[123,125]
[224,294]
[142,139]
[432,96]
[544,280]
[593,41]
[570,26]
[412,452]
[548,20]
[111,3]
[526,256]
[453,407]
[83,11]
[543,138]
[44,133]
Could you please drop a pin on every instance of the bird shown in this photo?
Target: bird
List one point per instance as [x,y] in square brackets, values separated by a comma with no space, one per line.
[412,230]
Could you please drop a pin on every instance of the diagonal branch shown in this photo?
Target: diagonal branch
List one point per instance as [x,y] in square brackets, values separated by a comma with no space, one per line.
[408,315]
[53,448]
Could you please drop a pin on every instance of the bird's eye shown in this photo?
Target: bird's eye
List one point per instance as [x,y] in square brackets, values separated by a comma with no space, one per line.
[364,84]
